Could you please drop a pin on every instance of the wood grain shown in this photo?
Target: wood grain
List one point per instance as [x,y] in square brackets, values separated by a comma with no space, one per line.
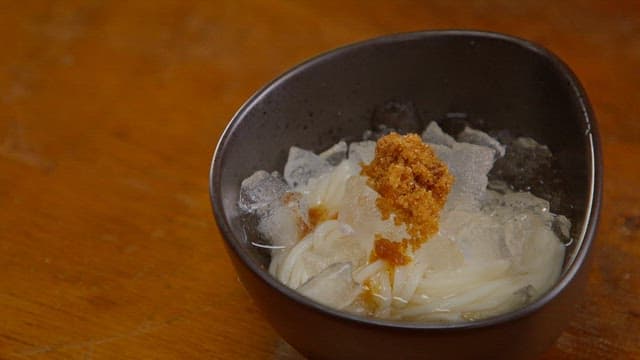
[109,113]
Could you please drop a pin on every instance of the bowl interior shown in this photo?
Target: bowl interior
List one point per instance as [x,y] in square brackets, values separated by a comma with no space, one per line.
[499,82]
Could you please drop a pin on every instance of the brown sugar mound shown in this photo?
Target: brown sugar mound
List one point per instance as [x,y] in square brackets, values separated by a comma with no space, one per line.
[413,184]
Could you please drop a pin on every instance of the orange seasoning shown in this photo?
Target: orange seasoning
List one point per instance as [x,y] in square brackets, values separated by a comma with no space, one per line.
[394,252]
[319,214]
[316,215]
[413,185]
[368,297]
[290,199]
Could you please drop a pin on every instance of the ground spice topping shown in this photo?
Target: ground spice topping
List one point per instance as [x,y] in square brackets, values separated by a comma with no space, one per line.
[319,214]
[413,185]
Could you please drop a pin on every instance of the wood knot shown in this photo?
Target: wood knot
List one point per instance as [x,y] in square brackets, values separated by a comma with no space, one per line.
[629,224]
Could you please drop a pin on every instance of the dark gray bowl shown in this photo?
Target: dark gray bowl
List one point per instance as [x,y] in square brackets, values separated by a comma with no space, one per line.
[503,83]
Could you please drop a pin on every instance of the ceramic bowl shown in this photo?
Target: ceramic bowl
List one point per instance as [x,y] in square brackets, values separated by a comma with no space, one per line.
[501,82]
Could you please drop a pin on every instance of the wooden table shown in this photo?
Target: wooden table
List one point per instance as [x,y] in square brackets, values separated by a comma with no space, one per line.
[109,114]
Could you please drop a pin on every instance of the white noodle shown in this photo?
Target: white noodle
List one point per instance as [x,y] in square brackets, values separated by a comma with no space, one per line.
[287,266]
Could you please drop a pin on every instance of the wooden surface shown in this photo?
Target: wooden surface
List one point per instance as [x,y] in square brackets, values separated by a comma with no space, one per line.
[109,114]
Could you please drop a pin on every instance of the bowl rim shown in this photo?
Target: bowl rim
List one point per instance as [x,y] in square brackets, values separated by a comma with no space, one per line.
[587,232]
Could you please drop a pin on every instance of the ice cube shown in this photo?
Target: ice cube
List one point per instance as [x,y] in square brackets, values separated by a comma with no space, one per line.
[260,189]
[531,144]
[401,116]
[469,165]
[520,215]
[433,134]
[358,209]
[521,201]
[440,253]
[518,229]
[478,236]
[335,154]
[561,226]
[283,222]
[498,186]
[527,165]
[530,166]
[303,165]
[362,152]
[333,287]
[478,137]
[377,132]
